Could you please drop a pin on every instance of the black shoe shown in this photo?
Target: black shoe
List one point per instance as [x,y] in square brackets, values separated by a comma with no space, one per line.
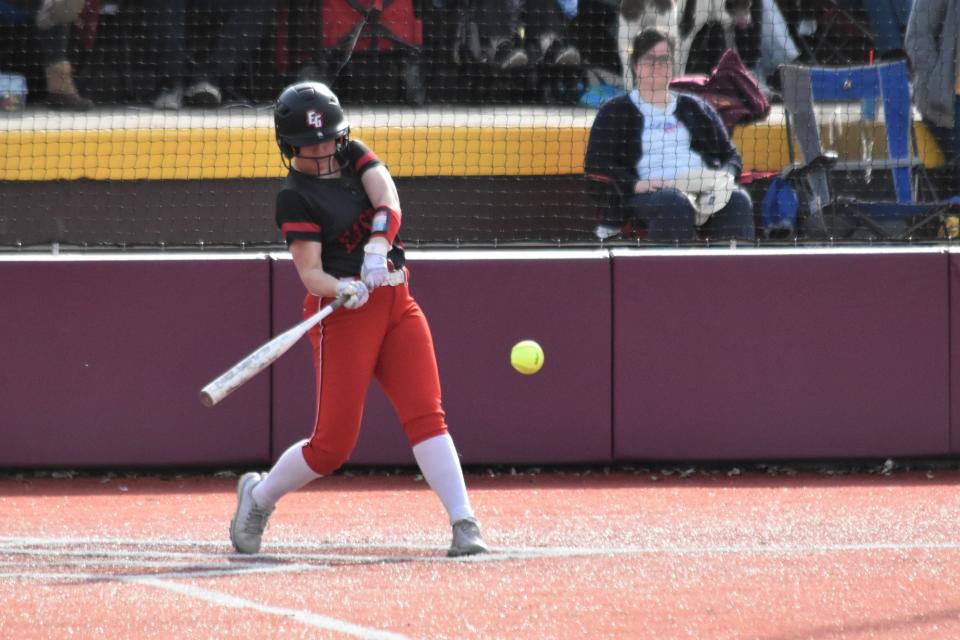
[562,54]
[202,93]
[69,102]
[508,56]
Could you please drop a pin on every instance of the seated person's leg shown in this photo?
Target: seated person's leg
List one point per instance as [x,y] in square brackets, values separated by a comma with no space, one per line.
[237,40]
[776,44]
[61,91]
[668,213]
[545,34]
[497,24]
[948,140]
[167,31]
[735,220]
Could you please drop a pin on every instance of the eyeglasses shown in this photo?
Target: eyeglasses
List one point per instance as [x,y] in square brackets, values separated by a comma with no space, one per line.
[656,60]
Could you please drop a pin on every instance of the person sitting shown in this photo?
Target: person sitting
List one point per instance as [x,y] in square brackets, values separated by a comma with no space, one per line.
[545,32]
[53,19]
[933,46]
[667,157]
[239,28]
[511,35]
[888,23]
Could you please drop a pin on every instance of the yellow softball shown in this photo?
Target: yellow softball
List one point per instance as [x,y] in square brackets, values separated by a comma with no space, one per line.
[526,357]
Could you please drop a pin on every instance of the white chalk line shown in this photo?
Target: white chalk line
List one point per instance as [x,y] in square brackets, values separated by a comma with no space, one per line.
[42,547]
[57,556]
[219,561]
[304,617]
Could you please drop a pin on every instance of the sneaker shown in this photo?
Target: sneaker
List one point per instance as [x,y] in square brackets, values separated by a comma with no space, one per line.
[562,54]
[605,231]
[69,102]
[246,528]
[169,100]
[508,56]
[467,540]
[202,93]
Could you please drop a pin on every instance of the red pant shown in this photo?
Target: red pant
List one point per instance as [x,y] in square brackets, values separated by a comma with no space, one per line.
[388,338]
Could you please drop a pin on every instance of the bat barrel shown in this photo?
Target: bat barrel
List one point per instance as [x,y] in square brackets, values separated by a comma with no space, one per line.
[220,388]
[207,399]
[261,358]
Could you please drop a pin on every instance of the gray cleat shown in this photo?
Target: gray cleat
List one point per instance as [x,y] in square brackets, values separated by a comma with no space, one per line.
[246,528]
[467,540]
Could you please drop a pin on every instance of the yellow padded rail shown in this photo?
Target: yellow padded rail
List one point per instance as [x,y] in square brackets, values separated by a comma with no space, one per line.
[537,145]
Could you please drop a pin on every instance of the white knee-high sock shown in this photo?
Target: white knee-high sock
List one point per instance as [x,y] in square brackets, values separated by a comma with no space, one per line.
[438,461]
[289,474]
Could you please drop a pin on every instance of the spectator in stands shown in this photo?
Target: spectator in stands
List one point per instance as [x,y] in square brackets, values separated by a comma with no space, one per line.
[666,157]
[53,19]
[594,33]
[888,21]
[491,32]
[933,46]
[776,44]
[546,25]
[195,74]
[763,44]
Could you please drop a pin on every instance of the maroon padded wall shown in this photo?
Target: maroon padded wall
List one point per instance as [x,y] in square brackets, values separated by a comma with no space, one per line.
[744,355]
[955,353]
[477,309]
[715,355]
[103,361]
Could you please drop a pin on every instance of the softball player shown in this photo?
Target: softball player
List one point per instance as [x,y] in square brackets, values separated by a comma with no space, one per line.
[339,212]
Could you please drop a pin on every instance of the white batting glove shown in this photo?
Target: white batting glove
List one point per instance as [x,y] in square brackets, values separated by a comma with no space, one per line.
[374,270]
[355,293]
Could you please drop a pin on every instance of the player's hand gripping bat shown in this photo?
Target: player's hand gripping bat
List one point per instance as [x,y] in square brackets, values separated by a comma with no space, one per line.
[262,358]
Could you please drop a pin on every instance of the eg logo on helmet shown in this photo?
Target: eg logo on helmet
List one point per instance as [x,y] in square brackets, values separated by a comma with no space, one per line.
[315,119]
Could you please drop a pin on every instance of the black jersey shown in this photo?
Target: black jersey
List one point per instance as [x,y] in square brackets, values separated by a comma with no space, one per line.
[333,211]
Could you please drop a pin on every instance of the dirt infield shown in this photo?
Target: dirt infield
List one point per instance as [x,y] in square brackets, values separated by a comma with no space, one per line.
[768,554]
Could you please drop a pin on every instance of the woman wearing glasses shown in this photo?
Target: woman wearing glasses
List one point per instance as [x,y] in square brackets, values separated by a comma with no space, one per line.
[664,160]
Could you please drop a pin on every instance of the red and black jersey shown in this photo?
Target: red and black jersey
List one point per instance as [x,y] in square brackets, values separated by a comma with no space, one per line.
[335,212]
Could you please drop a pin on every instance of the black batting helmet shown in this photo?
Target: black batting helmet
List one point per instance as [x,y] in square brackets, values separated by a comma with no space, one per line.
[307,113]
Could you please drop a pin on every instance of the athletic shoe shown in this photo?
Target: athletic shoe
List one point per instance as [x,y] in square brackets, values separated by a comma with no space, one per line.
[202,93]
[562,54]
[467,540]
[68,102]
[246,528]
[606,231]
[169,100]
[507,56]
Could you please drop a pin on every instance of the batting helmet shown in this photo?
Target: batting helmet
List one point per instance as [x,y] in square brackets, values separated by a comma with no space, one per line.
[307,113]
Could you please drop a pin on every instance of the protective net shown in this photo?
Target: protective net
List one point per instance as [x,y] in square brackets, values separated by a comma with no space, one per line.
[504,122]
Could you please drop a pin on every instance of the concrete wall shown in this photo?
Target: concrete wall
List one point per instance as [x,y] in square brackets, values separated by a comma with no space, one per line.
[649,355]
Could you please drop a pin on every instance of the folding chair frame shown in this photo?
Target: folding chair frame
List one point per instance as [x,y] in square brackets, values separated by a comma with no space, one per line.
[803,88]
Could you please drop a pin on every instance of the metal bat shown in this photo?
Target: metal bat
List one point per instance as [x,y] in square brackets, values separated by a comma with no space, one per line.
[262,358]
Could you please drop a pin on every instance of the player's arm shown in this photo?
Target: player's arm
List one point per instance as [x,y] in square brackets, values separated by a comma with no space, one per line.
[303,234]
[306,257]
[382,193]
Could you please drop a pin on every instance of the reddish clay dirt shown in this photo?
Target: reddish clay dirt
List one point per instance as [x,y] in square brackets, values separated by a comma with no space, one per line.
[618,555]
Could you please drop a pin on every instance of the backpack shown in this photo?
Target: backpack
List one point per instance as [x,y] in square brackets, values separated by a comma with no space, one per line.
[778,211]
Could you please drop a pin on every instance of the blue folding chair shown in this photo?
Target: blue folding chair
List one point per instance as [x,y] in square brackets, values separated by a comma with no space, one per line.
[866,116]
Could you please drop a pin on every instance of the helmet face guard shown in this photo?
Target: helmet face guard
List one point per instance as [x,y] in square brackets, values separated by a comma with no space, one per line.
[308,113]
